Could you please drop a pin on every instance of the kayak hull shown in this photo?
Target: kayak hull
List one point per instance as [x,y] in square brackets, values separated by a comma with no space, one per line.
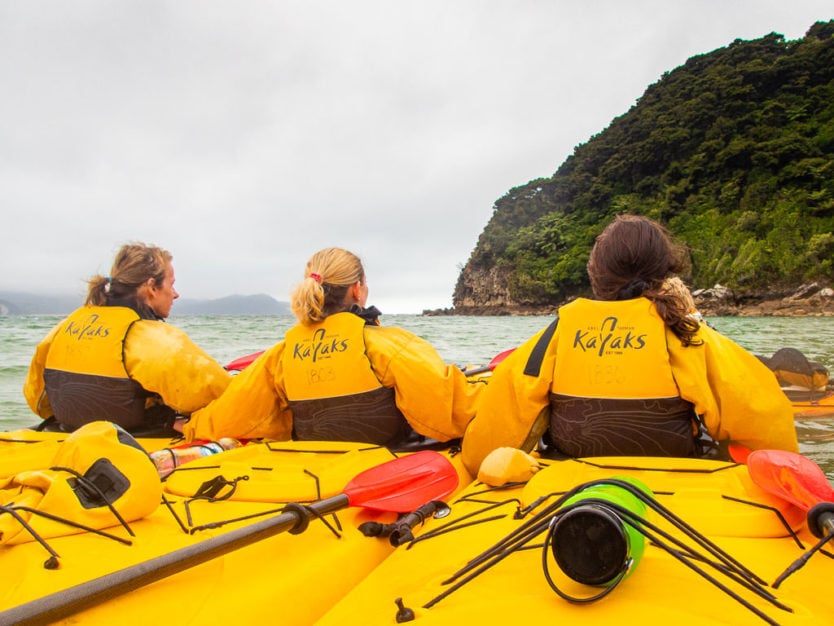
[812,404]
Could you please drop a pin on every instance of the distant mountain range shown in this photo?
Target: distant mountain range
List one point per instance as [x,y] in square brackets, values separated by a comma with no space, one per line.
[258,304]
[18,303]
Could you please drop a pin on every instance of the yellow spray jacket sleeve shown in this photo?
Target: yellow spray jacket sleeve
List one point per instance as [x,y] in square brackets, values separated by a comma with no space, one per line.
[164,360]
[437,399]
[254,405]
[736,394]
[33,386]
[509,406]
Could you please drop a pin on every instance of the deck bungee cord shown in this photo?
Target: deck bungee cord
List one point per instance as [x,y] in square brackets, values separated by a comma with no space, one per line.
[624,522]
[95,478]
[218,488]
[801,561]
[53,561]
[800,481]
[399,485]
[471,519]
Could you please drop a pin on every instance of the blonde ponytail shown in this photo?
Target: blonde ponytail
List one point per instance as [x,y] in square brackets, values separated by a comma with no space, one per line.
[328,276]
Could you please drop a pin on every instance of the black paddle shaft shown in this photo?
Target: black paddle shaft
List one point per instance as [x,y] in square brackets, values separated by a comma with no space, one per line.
[64,603]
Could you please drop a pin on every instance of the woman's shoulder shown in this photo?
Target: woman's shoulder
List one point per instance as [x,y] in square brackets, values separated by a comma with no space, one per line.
[384,334]
[712,342]
[156,331]
[707,334]
[395,341]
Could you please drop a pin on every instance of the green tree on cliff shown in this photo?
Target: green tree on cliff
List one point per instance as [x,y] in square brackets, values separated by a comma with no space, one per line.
[733,151]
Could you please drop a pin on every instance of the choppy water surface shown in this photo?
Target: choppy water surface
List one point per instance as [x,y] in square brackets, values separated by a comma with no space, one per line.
[461,340]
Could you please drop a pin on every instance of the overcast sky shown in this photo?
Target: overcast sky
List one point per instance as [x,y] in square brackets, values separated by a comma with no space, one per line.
[245,135]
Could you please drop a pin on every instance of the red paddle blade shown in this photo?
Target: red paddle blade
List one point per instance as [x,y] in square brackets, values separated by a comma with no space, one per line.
[496,360]
[243,361]
[403,484]
[790,476]
[738,453]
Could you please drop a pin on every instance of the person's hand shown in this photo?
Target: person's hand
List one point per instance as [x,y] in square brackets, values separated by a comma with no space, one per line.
[507,465]
[180,422]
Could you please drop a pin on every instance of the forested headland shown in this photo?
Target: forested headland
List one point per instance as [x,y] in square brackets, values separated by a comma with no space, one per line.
[733,151]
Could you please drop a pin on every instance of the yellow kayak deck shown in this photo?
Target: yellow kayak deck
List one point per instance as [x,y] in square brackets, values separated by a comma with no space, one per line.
[449,576]
[286,578]
[332,574]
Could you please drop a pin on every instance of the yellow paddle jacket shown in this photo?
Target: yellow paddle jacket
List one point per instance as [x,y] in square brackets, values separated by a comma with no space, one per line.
[165,363]
[333,392]
[734,393]
[435,399]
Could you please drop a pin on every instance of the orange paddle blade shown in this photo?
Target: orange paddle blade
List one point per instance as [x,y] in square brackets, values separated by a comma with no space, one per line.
[790,476]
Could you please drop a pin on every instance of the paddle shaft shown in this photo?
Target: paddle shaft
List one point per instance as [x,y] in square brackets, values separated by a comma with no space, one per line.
[64,603]
[495,362]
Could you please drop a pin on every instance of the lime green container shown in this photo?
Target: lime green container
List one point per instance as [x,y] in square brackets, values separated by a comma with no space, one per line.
[593,543]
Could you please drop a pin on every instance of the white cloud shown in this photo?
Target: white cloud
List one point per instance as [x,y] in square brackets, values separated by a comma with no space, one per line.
[245,136]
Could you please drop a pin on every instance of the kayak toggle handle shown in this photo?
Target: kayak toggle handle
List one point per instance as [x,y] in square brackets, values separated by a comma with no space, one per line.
[404,614]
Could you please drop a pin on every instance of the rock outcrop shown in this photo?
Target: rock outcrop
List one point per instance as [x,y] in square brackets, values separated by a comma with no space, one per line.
[812,299]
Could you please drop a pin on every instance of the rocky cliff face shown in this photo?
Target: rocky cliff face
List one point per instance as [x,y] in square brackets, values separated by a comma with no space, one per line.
[489,292]
[483,288]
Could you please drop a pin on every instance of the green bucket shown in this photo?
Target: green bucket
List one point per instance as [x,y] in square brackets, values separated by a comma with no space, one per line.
[592,543]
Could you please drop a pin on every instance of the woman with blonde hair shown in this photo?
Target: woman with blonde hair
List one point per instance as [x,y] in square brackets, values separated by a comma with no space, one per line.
[116,359]
[339,376]
[632,372]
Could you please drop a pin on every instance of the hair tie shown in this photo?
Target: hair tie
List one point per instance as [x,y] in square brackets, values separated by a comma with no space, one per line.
[107,281]
[632,290]
[316,277]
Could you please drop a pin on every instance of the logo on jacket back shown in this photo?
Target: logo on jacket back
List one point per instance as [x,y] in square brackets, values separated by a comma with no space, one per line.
[608,338]
[319,347]
[90,328]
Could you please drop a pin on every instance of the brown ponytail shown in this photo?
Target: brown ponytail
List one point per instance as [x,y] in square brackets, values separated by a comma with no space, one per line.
[633,257]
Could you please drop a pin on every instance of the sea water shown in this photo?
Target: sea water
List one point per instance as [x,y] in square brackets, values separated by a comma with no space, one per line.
[460,340]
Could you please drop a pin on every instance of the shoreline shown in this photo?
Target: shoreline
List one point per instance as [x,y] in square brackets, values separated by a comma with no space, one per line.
[812,300]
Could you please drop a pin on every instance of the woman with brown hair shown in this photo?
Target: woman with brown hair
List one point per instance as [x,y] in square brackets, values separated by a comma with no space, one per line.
[339,376]
[632,372]
[116,359]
